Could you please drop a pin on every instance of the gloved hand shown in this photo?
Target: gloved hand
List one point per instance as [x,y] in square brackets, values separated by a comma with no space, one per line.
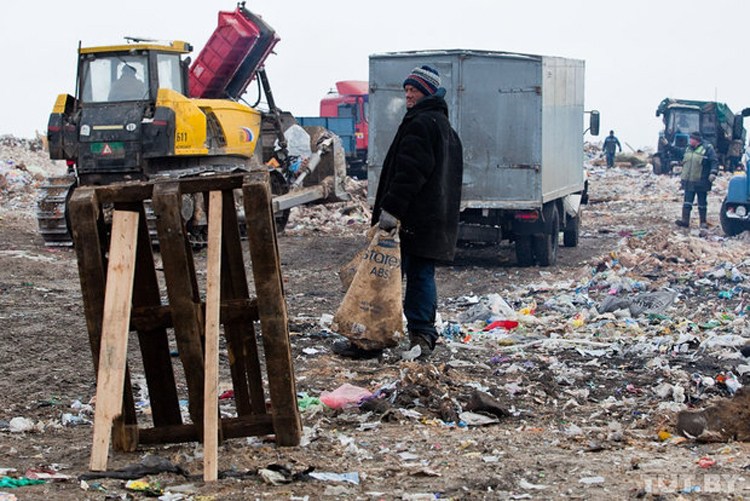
[711,178]
[387,221]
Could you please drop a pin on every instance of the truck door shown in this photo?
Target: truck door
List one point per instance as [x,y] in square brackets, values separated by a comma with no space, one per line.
[501,127]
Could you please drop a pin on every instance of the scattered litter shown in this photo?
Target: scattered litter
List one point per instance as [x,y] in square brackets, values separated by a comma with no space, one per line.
[523,484]
[346,395]
[351,477]
[474,419]
[21,425]
[15,482]
[591,480]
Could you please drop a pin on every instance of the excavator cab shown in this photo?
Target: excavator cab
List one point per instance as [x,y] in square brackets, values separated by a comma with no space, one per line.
[115,124]
[115,77]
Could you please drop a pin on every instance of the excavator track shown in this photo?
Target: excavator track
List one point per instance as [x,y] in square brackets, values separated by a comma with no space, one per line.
[51,210]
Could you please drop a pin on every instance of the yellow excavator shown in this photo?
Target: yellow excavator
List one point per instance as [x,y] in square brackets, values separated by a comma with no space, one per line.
[143,111]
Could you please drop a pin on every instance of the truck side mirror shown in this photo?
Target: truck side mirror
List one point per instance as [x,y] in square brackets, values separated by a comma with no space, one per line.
[746,112]
[594,123]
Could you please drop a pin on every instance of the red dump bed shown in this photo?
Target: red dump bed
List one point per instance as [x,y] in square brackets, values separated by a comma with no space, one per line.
[228,63]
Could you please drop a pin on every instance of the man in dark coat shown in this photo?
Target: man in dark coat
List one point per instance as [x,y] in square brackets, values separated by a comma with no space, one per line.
[420,187]
[611,144]
[699,168]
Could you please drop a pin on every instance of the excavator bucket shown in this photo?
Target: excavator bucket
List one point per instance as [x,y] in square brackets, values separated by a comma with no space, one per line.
[232,56]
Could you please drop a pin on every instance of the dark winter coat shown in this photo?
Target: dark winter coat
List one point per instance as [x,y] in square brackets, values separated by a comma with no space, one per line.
[697,164]
[420,183]
[611,143]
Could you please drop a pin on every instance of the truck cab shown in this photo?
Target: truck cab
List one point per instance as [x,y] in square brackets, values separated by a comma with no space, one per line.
[350,101]
[716,123]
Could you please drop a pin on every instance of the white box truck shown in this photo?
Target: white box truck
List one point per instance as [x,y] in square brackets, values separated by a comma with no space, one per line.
[521,121]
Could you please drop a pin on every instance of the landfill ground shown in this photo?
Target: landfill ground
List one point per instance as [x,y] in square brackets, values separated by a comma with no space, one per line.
[580,400]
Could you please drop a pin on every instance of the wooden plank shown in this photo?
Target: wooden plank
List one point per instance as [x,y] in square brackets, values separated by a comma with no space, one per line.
[154,342]
[213,306]
[114,343]
[84,221]
[89,236]
[160,317]
[124,436]
[272,309]
[182,290]
[244,426]
[143,190]
[242,348]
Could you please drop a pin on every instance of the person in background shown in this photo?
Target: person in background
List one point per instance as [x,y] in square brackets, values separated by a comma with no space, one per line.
[699,168]
[419,192]
[611,143]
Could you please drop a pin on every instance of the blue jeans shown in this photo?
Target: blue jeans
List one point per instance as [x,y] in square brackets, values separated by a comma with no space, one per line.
[420,300]
[610,159]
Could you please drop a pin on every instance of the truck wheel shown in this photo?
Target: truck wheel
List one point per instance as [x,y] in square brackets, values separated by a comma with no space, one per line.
[524,254]
[572,231]
[656,162]
[356,169]
[545,245]
[730,227]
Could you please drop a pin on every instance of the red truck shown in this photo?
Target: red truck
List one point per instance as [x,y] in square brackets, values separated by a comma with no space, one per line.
[345,113]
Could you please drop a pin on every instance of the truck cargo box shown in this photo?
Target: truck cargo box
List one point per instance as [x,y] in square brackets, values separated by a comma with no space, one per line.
[237,48]
[519,116]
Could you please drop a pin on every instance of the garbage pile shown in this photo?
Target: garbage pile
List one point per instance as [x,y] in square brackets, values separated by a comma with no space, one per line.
[545,382]
[648,329]
[24,164]
[341,218]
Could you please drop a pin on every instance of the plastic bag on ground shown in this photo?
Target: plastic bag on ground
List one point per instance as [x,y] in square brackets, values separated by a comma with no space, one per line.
[345,396]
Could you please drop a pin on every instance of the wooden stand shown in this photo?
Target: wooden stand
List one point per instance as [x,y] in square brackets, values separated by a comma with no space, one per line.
[120,288]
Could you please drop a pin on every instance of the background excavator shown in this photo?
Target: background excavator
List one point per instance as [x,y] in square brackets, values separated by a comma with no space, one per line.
[141,111]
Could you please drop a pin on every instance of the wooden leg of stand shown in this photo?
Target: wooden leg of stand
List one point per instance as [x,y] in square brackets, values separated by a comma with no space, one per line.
[213,307]
[116,325]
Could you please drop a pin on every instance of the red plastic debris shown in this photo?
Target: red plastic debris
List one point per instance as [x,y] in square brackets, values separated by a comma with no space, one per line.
[502,324]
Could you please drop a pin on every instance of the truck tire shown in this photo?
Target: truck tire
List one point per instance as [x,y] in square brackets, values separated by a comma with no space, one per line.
[572,231]
[656,162]
[728,226]
[545,244]
[524,253]
[356,169]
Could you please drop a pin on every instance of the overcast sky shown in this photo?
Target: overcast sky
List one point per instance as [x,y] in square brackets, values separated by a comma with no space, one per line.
[637,52]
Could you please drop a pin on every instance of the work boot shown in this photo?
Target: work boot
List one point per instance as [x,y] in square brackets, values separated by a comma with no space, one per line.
[426,346]
[346,348]
[702,214]
[685,221]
